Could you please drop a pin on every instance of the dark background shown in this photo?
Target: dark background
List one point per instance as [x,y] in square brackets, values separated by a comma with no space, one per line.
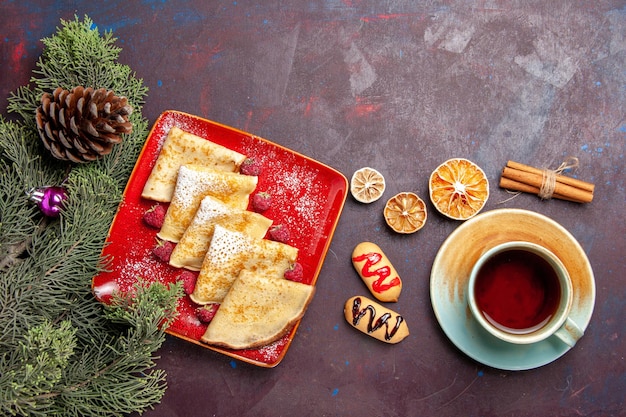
[400,86]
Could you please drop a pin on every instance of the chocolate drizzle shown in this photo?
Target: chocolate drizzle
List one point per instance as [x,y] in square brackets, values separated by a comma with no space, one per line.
[358,313]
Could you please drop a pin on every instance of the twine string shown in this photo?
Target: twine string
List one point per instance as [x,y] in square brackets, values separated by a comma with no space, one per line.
[548,181]
[513,195]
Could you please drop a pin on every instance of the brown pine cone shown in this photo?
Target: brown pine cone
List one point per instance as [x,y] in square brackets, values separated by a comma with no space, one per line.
[83,124]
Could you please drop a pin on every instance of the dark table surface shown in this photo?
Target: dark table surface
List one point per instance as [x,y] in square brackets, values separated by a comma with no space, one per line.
[400,86]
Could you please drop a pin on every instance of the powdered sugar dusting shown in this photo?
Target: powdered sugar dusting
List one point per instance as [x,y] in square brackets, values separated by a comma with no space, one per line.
[211,208]
[302,185]
[147,267]
[270,353]
[297,188]
[307,196]
[227,245]
[185,187]
[195,182]
[179,120]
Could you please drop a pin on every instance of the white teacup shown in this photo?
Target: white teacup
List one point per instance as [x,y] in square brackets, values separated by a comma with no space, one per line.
[521,293]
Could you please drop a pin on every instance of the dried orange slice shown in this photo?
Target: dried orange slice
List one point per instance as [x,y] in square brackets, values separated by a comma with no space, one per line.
[458,188]
[405,213]
[367,185]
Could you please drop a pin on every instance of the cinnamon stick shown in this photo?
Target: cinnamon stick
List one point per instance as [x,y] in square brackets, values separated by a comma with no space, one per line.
[560,178]
[513,185]
[520,177]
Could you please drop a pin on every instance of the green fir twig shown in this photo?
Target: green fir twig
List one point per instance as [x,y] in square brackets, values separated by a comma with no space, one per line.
[62,352]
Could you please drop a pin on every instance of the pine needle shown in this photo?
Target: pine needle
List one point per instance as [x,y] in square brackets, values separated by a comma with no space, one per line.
[62,352]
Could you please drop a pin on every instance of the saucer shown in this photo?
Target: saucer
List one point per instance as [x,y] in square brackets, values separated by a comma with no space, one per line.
[451,270]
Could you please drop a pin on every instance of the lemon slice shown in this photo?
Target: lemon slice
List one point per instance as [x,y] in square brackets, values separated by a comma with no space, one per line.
[405,213]
[458,188]
[367,185]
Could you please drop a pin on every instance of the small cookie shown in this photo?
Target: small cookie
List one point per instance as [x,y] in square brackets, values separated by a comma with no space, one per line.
[375,320]
[377,272]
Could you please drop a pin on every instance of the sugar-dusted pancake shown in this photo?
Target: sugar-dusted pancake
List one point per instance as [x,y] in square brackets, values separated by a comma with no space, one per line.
[181,148]
[231,252]
[194,244]
[194,182]
[257,311]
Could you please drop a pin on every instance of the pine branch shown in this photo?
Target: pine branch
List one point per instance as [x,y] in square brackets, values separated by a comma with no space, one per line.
[42,356]
[78,55]
[43,384]
[144,310]
[62,352]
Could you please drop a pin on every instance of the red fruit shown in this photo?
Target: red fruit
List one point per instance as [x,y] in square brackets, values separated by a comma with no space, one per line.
[163,250]
[261,201]
[279,233]
[206,313]
[155,216]
[188,279]
[250,166]
[295,272]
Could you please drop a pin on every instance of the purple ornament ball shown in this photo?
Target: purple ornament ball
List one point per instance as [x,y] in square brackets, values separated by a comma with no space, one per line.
[50,200]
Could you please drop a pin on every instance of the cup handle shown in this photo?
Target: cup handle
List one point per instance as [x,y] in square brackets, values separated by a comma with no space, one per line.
[569,333]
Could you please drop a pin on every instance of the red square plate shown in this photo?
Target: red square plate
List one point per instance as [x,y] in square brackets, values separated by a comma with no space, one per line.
[307,196]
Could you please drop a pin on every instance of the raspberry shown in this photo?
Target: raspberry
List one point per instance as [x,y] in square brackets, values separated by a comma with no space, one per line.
[163,250]
[279,233]
[155,216]
[206,313]
[294,273]
[188,279]
[261,201]
[250,166]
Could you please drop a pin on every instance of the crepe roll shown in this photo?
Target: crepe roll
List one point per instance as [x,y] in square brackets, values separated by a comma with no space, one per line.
[180,148]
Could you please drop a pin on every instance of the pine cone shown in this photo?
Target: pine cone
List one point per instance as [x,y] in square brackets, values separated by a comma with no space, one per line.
[83,124]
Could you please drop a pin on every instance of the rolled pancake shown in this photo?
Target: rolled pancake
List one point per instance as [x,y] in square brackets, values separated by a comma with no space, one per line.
[195,182]
[180,148]
[194,244]
[257,311]
[232,252]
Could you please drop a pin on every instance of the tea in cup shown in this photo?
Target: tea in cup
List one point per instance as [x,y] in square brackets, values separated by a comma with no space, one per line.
[521,293]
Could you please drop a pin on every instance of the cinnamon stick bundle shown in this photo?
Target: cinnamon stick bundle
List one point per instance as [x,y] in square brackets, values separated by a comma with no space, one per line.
[545,183]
